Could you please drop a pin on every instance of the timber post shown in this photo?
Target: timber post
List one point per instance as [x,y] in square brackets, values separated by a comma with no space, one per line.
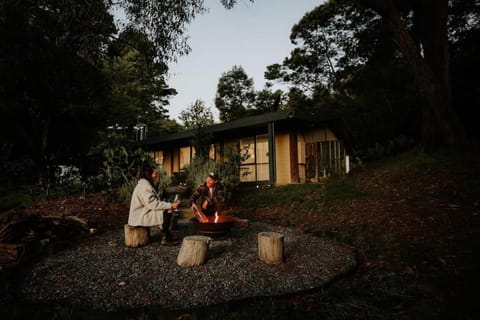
[270,247]
[193,251]
[136,236]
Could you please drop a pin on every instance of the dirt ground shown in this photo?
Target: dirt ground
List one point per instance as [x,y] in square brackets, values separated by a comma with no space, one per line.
[417,238]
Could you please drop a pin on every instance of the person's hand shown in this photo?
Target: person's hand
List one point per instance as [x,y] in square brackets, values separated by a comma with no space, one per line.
[175,205]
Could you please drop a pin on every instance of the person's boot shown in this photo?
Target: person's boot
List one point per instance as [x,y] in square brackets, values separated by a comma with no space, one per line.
[166,239]
[174,222]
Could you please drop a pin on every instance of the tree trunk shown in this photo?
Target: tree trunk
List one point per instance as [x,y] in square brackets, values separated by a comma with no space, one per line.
[193,251]
[136,236]
[44,176]
[270,247]
[430,65]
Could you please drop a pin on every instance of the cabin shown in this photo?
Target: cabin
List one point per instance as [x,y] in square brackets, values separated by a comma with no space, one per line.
[283,147]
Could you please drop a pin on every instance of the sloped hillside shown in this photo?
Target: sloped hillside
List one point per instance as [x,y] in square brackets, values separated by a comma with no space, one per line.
[413,219]
[415,222]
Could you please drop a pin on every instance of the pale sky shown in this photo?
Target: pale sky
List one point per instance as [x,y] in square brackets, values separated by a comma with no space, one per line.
[251,35]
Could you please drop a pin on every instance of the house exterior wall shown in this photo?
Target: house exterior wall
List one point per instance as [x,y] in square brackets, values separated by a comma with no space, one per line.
[301,158]
[282,158]
[324,154]
[168,162]
[158,157]
[175,158]
[319,134]
[318,154]
[261,158]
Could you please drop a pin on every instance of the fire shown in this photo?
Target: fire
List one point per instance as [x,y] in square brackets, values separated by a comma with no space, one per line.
[216,217]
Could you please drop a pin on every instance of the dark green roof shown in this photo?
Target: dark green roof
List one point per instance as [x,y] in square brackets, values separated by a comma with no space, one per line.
[251,126]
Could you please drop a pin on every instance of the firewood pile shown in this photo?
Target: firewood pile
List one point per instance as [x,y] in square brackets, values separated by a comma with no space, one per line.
[25,234]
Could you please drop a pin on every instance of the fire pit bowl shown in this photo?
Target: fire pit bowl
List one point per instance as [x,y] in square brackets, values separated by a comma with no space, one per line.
[216,226]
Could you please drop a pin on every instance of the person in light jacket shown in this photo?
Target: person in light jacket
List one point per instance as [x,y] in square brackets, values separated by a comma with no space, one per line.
[146,207]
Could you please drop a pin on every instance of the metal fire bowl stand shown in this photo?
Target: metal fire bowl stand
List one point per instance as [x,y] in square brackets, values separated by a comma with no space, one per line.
[212,228]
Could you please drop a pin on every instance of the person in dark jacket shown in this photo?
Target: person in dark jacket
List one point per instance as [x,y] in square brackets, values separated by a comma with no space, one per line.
[210,196]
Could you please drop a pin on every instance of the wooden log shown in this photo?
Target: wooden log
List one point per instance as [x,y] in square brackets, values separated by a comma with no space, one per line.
[270,247]
[193,251]
[10,252]
[136,236]
[6,232]
[240,223]
[81,222]
[198,213]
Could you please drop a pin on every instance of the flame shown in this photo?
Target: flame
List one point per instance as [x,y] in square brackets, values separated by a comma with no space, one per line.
[216,217]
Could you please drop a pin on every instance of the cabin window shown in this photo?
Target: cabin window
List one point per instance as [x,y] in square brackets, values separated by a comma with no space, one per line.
[185,157]
[212,152]
[331,158]
[247,149]
[247,167]
[256,166]
[158,157]
[261,152]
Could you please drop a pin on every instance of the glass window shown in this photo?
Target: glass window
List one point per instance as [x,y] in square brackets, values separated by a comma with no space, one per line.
[247,147]
[263,173]
[158,157]
[256,166]
[184,157]
[247,173]
[262,149]
[211,152]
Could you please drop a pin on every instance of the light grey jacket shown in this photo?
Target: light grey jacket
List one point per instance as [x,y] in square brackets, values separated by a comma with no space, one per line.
[146,208]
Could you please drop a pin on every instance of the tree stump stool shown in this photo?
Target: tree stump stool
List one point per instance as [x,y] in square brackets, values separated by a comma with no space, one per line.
[193,251]
[136,236]
[270,247]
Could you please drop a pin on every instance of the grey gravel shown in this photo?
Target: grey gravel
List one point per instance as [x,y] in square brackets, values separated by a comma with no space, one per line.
[101,273]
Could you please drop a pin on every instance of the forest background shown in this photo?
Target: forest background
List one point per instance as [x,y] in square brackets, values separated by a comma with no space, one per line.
[74,87]
[75,84]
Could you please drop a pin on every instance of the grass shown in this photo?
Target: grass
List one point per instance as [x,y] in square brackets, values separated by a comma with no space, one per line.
[340,189]
[26,195]
[305,195]
[414,220]
[23,196]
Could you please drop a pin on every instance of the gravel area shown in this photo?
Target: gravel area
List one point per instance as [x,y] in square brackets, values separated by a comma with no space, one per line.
[102,274]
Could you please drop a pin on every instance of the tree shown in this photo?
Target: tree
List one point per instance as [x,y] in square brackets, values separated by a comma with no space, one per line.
[425,48]
[51,102]
[464,36]
[391,47]
[328,43]
[230,3]
[198,115]
[51,53]
[346,65]
[267,100]
[139,92]
[164,21]
[297,100]
[162,126]
[235,94]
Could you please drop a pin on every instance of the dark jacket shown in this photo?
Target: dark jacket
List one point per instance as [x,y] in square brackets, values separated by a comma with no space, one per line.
[209,203]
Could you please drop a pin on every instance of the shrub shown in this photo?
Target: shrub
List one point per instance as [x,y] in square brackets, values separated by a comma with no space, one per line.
[228,170]
[198,170]
[119,168]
